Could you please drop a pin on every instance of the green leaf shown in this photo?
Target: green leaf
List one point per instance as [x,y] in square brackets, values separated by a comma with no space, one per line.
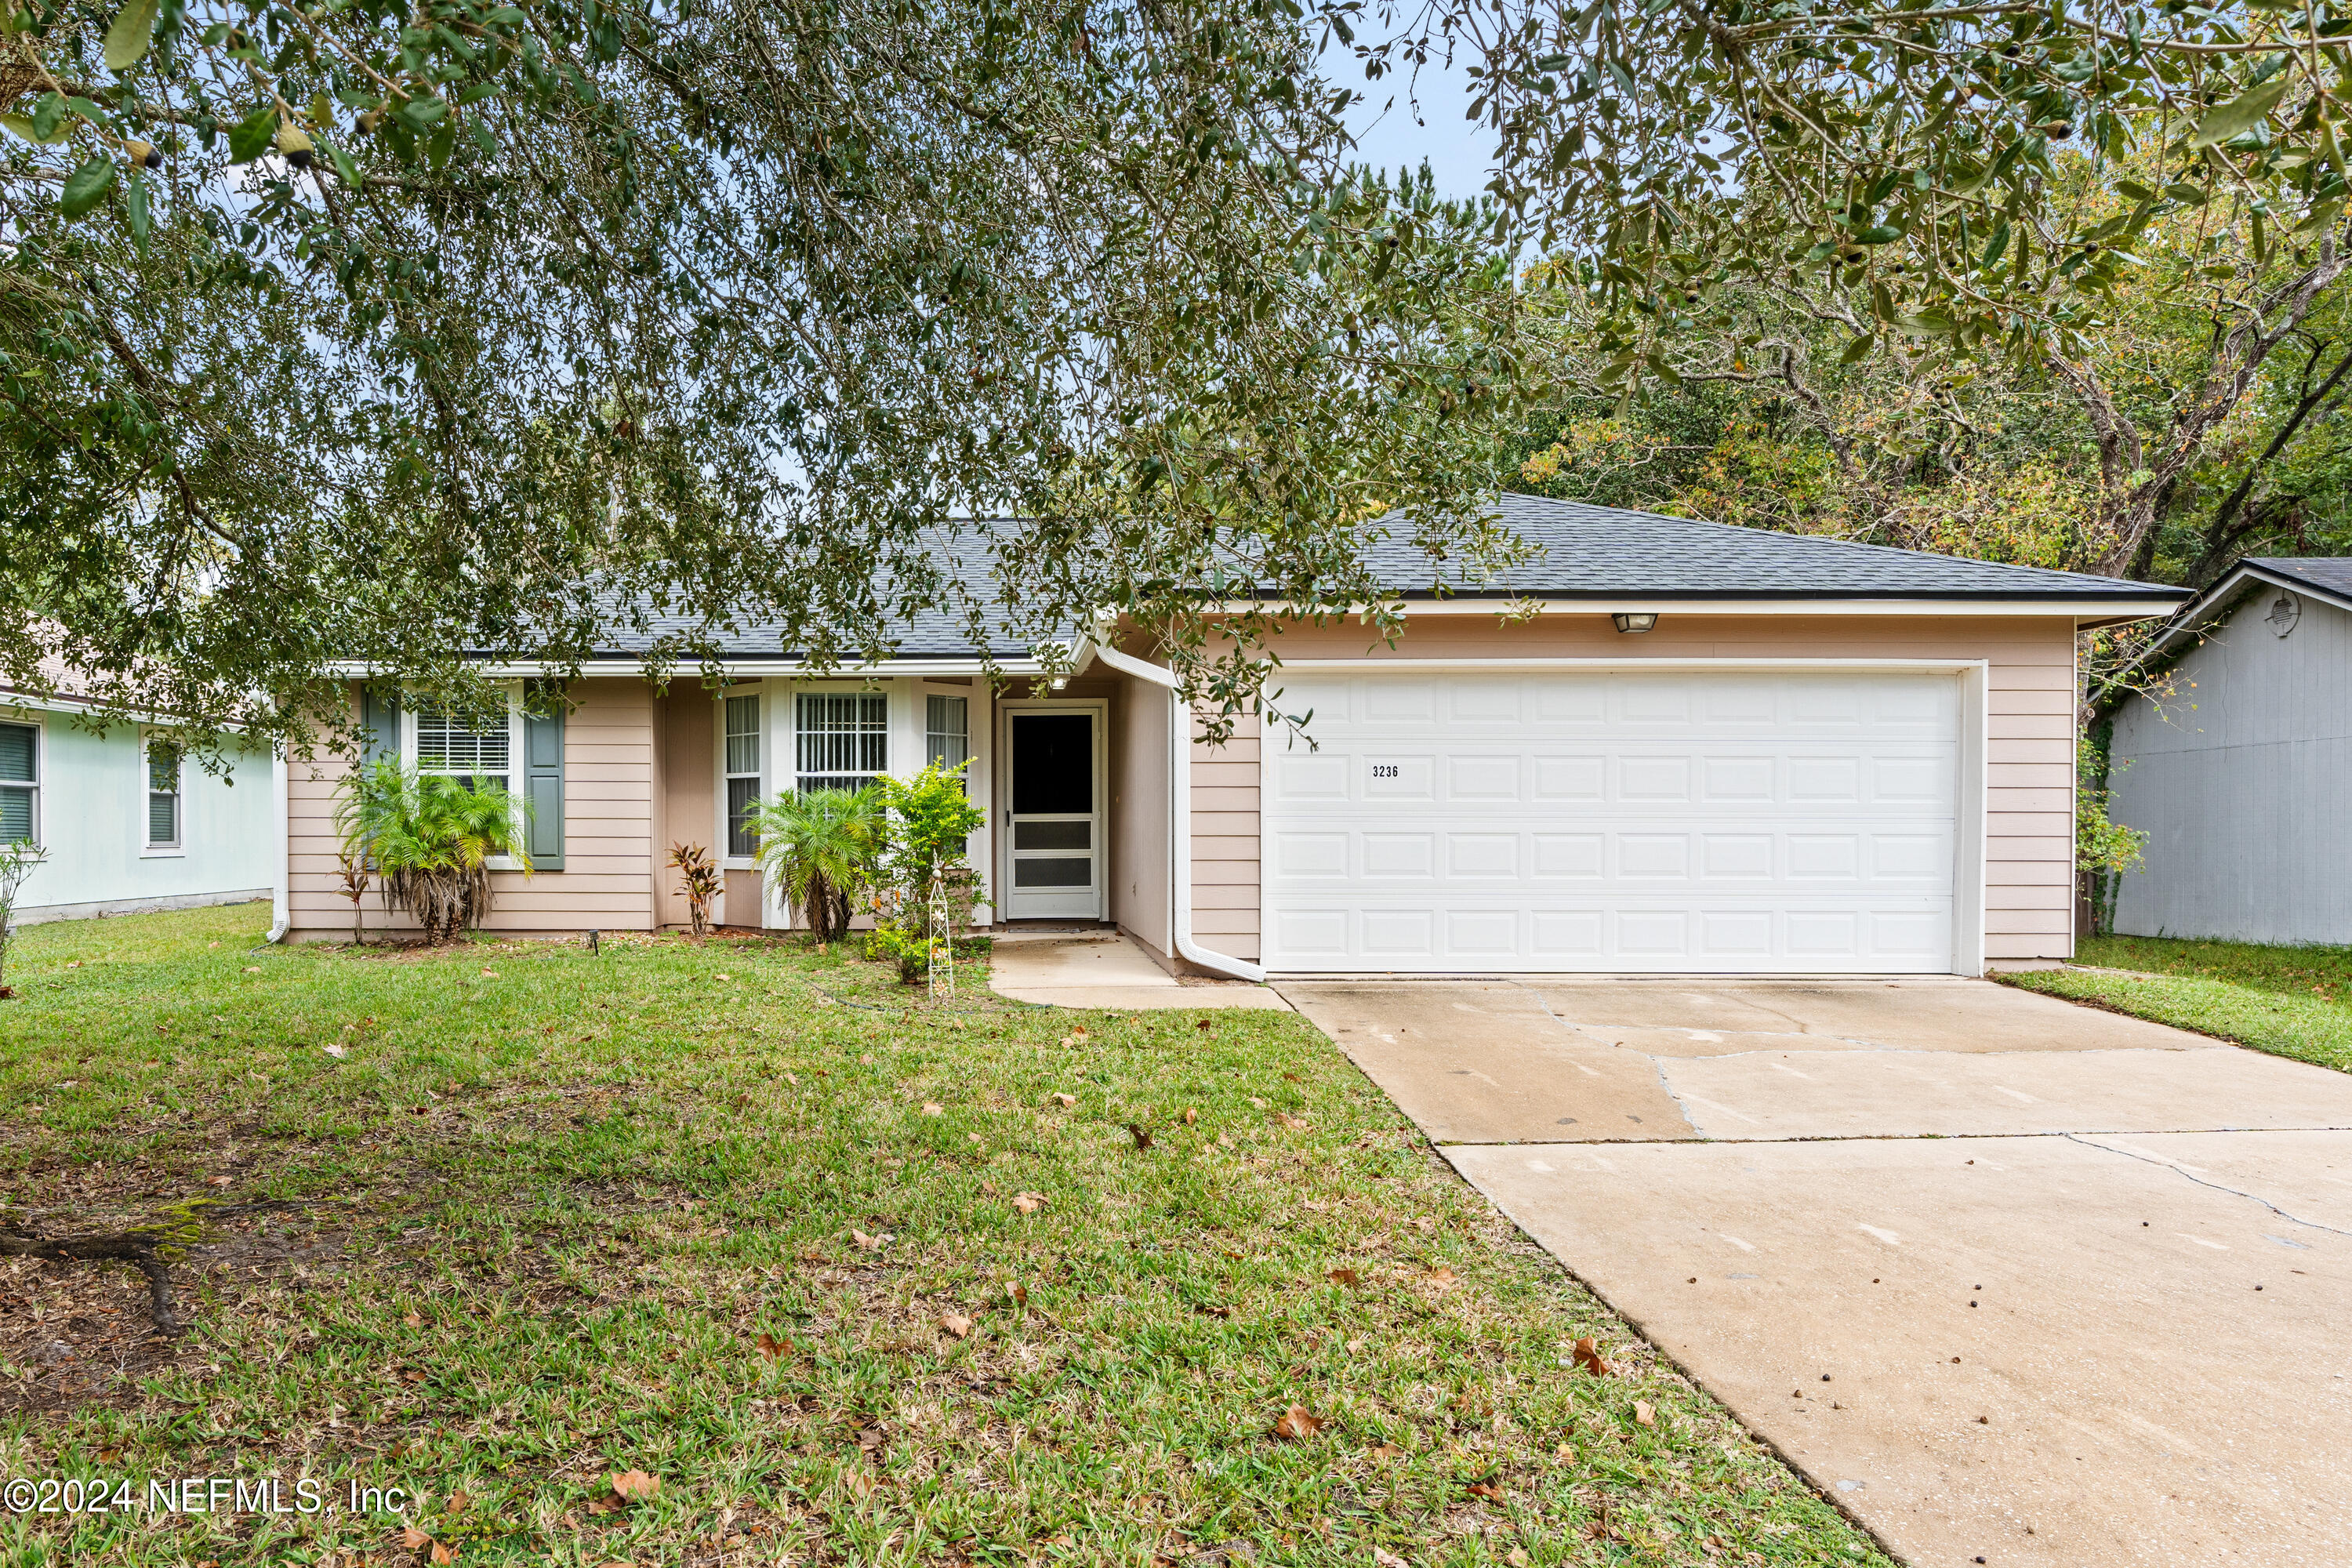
[1857,350]
[422,112]
[134,205]
[1996,245]
[346,169]
[133,30]
[1885,234]
[30,132]
[86,187]
[2134,190]
[2241,114]
[252,136]
[2193,194]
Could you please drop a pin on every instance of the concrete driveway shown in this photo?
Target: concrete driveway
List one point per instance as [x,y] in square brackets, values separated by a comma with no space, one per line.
[2013,1280]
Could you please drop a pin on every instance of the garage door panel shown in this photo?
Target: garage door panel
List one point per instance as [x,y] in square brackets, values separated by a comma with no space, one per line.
[1666,822]
[1473,777]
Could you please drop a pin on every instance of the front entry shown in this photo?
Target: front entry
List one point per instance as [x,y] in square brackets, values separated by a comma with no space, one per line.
[1054,818]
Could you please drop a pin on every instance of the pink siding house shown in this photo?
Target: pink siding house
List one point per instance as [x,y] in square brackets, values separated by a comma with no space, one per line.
[1711,750]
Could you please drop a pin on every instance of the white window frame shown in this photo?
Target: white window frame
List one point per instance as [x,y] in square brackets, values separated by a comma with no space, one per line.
[515,754]
[178,847]
[885,693]
[39,783]
[927,695]
[758,693]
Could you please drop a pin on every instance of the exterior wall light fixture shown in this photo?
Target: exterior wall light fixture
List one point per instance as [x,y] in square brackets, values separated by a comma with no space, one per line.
[1635,620]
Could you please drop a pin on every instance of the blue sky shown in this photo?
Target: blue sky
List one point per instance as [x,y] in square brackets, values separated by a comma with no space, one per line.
[1458,155]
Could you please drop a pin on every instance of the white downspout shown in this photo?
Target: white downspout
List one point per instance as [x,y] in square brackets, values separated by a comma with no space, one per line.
[281,888]
[1180,797]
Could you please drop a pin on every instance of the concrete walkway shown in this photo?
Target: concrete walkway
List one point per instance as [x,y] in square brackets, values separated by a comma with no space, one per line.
[2015,1281]
[1108,971]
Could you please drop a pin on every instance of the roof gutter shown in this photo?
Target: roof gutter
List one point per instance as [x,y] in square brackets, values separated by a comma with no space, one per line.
[1179,806]
[2157,602]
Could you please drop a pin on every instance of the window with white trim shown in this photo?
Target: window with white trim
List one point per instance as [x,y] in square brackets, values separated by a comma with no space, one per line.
[164,765]
[947,731]
[452,745]
[20,783]
[743,769]
[840,740]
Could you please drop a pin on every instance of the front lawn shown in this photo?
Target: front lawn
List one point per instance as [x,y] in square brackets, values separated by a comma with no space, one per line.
[2289,1000]
[821,1271]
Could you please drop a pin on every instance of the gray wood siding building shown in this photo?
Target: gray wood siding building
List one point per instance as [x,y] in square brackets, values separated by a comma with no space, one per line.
[2241,776]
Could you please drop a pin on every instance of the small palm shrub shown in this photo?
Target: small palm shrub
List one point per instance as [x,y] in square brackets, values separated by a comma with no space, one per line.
[431,840]
[823,848]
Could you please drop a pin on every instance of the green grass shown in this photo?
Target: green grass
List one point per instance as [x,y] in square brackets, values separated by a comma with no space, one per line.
[2289,1000]
[531,1229]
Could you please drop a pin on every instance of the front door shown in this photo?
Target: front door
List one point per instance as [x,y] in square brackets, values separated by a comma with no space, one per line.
[1054,823]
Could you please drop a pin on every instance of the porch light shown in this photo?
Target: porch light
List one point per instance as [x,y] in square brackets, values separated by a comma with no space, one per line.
[1055,685]
[1635,620]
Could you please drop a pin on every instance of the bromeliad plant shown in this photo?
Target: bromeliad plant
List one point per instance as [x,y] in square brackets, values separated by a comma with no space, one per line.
[431,840]
[823,848]
[699,879]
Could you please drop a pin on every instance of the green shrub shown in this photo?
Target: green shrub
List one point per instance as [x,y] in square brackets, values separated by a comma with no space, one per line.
[430,839]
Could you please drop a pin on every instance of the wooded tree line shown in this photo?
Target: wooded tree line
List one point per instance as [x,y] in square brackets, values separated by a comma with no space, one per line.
[398,330]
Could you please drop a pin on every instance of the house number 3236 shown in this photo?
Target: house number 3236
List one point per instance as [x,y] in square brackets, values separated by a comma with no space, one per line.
[1384,770]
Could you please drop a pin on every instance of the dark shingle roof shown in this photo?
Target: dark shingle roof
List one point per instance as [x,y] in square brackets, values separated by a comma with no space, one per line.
[2330,575]
[1583,552]
[1598,552]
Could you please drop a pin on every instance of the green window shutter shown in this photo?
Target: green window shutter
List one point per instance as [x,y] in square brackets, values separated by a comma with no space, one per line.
[380,717]
[543,786]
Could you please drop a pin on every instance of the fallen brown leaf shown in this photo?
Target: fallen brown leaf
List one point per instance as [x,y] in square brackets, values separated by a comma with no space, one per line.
[862,1483]
[1211,1310]
[933,1108]
[1296,1123]
[635,1486]
[1643,1415]
[1295,1425]
[1345,1277]
[413,1539]
[1383,1558]
[771,1346]
[1517,1557]
[413,1321]
[1141,1134]
[441,1556]
[1028,1202]
[868,1243]
[1200,1024]
[458,1499]
[957,1325]
[1441,1277]
[1388,1451]
[1491,1491]
[1588,1356]
[1066,1101]
[1191,1116]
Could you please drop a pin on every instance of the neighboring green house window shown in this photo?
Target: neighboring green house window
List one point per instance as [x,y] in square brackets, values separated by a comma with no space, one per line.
[20,784]
[947,731]
[742,774]
[163,764]
[843,740]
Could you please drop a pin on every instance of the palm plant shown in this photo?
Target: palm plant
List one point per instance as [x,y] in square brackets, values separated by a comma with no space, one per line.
[431,840]
[823,848]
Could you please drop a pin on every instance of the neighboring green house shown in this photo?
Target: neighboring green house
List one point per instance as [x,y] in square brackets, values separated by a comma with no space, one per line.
[129,826]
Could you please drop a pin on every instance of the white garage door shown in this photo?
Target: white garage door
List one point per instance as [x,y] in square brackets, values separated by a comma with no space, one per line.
[1672,822]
